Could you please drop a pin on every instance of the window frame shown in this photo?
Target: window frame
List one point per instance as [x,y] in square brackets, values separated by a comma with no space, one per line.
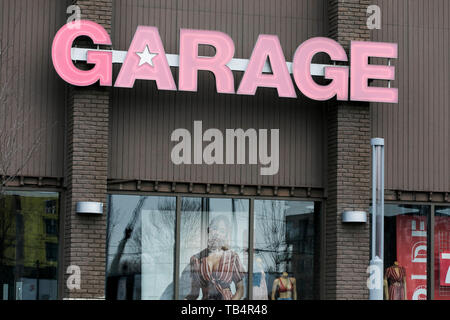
[430,239]
[251,225]
[60,214]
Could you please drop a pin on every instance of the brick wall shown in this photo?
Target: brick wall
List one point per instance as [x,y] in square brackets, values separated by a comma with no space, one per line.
[348,185]
[86,173]
[347,21]
[99,11]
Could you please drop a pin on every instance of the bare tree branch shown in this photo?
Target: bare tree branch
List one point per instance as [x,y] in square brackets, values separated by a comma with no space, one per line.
[15,154]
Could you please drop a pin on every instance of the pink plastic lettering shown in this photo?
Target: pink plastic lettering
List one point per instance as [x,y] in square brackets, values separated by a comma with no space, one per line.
[190,62]
[302,70]
[361,71]
[267,47]
[146,60]
[62,60]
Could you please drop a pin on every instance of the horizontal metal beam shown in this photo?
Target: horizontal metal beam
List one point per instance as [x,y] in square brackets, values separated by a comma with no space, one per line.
[80,54]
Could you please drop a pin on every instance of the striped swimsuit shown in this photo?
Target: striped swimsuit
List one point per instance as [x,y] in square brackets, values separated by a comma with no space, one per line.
[216,283]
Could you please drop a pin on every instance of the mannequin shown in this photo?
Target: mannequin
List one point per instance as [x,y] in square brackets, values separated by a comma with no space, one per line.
[395,282]
[286,287]
[216,267]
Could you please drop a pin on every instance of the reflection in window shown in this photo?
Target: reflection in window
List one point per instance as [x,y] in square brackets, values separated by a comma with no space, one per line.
[51,251]
[211,257]
[405,252]
[141,244]
[214,246]
[51,226]
[442,253]
[28,254]
[50,206]
[284,244]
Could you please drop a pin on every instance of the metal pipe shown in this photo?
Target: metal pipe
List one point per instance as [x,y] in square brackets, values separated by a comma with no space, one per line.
[377,239]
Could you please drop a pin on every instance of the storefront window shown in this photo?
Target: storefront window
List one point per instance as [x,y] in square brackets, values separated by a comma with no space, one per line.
[442,253]
[214,248]
[405,251]
[284,246]
[28,251]
[141,244]
[211,256]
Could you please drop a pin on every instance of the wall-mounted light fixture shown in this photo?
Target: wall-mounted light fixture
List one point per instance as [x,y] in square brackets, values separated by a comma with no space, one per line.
[354,217]
[89,207]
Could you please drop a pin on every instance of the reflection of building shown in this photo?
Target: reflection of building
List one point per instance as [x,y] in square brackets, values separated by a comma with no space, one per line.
[30,245]
[301,238]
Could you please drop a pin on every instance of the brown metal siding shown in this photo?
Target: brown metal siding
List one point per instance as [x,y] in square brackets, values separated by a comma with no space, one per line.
[416,131]
[27,28]
[143,118]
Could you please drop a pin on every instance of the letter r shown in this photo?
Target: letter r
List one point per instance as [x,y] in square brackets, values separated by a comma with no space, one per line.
[190,62]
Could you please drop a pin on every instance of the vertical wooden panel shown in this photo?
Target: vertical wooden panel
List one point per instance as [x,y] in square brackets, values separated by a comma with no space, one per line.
[27,30]
[416,130]
[148,144]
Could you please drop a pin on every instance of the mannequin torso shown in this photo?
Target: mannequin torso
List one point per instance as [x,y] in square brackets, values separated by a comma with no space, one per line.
[286,287]
[395,282]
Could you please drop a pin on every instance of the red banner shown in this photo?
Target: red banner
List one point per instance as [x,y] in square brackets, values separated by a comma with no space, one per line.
[412,254]
[444,266]
[442,258]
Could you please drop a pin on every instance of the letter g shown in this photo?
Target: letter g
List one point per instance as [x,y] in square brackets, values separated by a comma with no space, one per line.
[62,60]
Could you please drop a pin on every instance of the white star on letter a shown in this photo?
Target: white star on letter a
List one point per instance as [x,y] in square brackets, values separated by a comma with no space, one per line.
[146,57]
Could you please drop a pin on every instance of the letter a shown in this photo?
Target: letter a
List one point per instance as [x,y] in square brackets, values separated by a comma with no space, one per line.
[267,46]
[146,60]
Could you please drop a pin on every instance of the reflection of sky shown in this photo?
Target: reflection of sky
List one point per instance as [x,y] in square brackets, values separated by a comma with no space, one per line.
[193,229]
[283,208]
[157,263]
[299,207]
[155,233]
[121,209]
[222,204]
[391,210]
[271,228]
[443,210]
[192,232]
[37,194]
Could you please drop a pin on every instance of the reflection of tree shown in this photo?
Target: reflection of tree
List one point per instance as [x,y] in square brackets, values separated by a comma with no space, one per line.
[14,154]
[273,247]
[7,237]
[190,222]
[162,234]
[164,222]
[115,264]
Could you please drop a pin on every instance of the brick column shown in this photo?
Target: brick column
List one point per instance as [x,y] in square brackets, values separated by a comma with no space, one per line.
[86,173]
[348,185]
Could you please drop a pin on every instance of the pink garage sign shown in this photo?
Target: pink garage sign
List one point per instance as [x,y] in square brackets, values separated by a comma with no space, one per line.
[146,59]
